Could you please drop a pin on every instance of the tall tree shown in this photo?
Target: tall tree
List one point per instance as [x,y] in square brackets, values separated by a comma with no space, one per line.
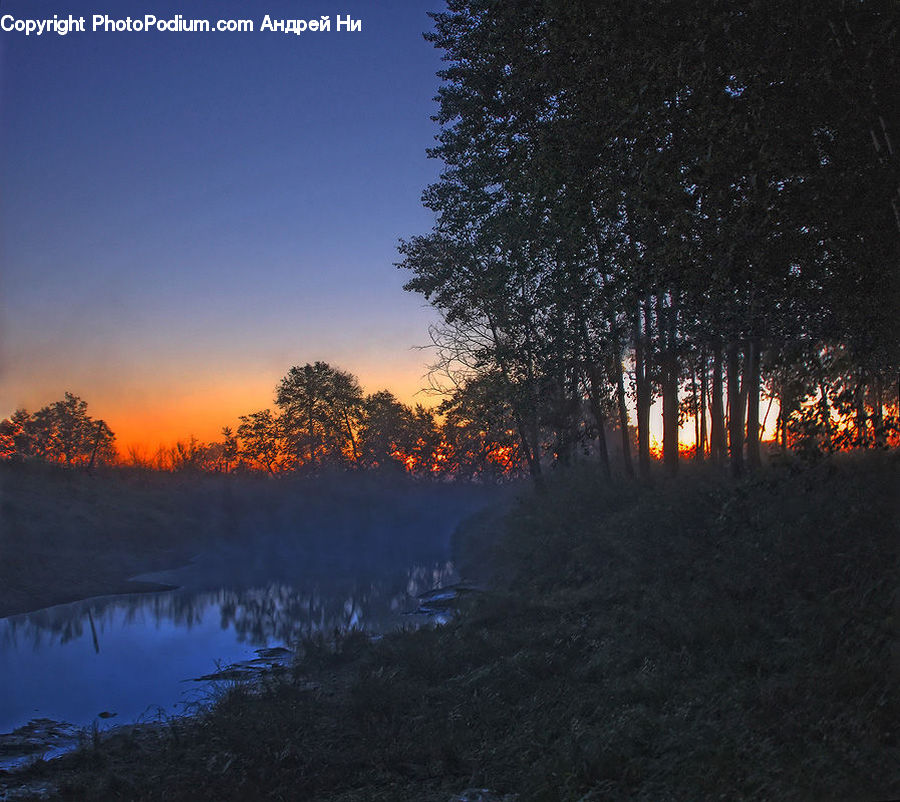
[668,180]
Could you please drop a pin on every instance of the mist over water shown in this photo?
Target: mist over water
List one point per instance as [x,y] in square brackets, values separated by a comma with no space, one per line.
[294,560]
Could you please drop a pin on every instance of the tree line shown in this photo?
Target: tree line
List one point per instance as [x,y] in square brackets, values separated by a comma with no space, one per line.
[697,204]
[321,421]
[60,432]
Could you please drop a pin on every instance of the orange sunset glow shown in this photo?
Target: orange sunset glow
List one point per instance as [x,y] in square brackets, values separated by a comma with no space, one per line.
[160,410]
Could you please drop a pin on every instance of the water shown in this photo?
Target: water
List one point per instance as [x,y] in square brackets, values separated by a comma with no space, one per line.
[292,560]
[145,657]
[140,656]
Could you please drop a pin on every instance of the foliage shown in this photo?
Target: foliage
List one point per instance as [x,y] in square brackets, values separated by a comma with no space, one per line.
[320,408]
[699,188]
[325,422]
[261,441]
[61,432]
[480,430]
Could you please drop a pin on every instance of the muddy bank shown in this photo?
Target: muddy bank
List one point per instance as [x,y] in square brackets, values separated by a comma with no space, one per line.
[34,576]
[67,535]
[72,589]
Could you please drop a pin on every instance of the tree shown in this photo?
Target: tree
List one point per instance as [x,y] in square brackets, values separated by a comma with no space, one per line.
[229,448]
[480,430]
[59,432]
[15,437]
[321,409]
[670,182]
[387,435]
[428,450]
[261,436]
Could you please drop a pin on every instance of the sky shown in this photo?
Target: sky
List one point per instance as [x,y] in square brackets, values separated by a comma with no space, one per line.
[185,216]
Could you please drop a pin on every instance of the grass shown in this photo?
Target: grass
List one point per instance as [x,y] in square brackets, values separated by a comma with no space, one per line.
[67,535]
[695,639]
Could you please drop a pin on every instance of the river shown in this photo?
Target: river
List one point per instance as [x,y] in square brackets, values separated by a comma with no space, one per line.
[236,610]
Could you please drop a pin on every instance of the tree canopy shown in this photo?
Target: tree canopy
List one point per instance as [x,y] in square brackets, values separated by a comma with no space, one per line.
[61,432]
[693,204]
[708,190]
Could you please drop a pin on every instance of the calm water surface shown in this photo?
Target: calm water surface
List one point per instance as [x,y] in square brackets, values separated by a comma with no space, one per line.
[137,658]
[140,656]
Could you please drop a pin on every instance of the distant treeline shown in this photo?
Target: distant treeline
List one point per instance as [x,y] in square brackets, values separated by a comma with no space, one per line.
[61,432]
[697,203]
[322,421]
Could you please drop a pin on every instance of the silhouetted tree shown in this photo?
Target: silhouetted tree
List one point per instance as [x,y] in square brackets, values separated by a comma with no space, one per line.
[229,448]
[321,409]
[688,185]
[261,441]
[480,430]
[59,432]
[387,432]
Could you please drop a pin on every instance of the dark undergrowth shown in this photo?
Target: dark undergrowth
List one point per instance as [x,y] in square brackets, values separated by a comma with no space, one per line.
[695,639]
[66,534]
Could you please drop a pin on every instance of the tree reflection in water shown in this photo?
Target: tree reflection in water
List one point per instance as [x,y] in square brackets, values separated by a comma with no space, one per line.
[279,611]
[144,648]
[296,559]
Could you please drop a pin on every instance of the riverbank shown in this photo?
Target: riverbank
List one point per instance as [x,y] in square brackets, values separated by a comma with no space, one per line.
[67,535]
[694,639]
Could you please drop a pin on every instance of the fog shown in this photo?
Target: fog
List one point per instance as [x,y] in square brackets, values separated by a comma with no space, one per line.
[280,561]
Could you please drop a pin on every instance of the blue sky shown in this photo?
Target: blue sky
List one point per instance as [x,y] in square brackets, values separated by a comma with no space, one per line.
[185,216]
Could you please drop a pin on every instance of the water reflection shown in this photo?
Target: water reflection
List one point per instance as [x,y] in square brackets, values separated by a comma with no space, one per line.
[278,611]
[294,559]
[132,654]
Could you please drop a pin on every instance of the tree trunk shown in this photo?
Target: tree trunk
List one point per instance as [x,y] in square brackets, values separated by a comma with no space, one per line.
[862,418]
[762,425]
[735,411]
[666,325]
[717,435]
[670,414]
[825,413]
[528,429]
[704,378]
[534,464]
[559,420]
[352,439]
[599,417]
[696,404]
[785,404]
[97,434]
[623,415]
[751,373]
[642,386]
